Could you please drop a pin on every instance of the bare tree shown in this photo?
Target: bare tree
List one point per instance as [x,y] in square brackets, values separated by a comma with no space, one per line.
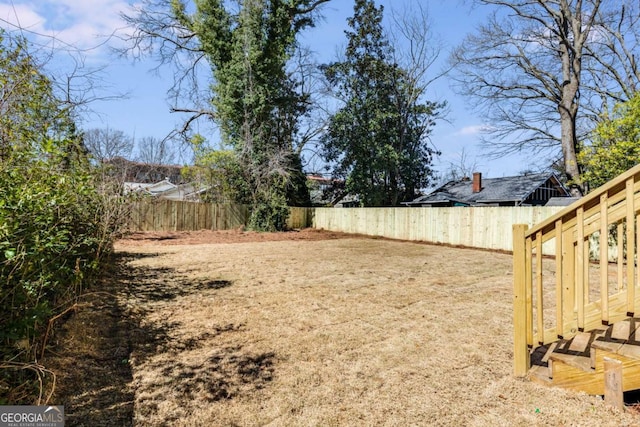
[155,151]
[613,72]
[78,83]
[158,34]
[106,143]
[416,48]
[462,167]
[536,71]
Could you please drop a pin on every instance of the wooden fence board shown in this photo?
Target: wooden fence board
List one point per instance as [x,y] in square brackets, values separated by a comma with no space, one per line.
[170,215]
[480,227]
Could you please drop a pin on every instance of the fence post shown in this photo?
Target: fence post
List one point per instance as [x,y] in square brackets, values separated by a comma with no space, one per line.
[520,350]
[613,395]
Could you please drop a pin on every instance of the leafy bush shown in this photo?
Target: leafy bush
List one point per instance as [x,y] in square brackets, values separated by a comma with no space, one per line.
[50,239]
[270,215]
[615,144]
[56,226]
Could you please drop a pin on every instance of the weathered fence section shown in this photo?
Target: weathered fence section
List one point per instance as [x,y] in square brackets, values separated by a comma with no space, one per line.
[300,218]
[170,215]
[479,227]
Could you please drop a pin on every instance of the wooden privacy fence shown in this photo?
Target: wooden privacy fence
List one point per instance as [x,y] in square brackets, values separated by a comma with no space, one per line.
[170,215]
[573,294]
[479,227]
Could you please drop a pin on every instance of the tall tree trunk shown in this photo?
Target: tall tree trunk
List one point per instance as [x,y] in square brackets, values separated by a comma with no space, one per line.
[569,152]
[571,48]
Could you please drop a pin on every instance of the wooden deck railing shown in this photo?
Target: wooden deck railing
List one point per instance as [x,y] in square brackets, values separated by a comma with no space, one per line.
[591,281]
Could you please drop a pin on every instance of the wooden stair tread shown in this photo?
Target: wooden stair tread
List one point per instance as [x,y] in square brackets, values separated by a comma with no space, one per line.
[629,350]
[620,338]
[623,330]
[580,362]
[610,346]
[580,342]
[624,349]
[576,351]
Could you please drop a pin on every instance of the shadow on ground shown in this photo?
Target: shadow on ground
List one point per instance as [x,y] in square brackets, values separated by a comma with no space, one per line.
[92,351]
[224,375]
[90,355]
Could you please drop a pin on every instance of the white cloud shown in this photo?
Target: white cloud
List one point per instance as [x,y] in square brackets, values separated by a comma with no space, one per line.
[80,23]
[473,130]
[20,15]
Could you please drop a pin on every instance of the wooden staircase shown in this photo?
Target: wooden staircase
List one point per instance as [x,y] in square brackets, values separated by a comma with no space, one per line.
[577,292]
[578,363]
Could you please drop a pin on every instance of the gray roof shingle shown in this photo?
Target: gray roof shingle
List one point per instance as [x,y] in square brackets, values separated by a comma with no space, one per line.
[494,190]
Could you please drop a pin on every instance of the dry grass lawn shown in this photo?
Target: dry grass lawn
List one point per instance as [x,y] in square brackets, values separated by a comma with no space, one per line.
[328,332]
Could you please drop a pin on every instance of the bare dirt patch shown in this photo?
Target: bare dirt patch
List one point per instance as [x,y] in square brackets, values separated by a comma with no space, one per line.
[313,329]
[223,236]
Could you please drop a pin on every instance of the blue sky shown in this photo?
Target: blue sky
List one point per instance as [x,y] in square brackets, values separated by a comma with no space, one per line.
[145,112]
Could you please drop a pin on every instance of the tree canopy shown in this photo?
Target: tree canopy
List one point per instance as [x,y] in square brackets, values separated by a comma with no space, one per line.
[378,137]
[615,144]
[254,100]
[33,122]
[54,227]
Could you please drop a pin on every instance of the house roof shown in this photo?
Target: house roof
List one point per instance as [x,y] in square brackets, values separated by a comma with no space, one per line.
[183,192]
[561,201]
[153,188]
[165,189]
[161,187]
[494,190]
[135,186]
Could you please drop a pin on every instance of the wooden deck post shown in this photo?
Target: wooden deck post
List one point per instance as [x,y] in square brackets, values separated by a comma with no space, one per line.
[520,351]
[613,395]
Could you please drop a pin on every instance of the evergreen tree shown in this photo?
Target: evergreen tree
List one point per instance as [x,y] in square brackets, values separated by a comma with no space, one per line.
[378,138]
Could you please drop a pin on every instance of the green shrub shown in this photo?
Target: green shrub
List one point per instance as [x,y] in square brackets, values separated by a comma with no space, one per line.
[55,226]
[270,215]
[50,242]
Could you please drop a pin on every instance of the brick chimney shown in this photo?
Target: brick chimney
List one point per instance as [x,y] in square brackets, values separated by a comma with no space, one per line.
[477,182]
